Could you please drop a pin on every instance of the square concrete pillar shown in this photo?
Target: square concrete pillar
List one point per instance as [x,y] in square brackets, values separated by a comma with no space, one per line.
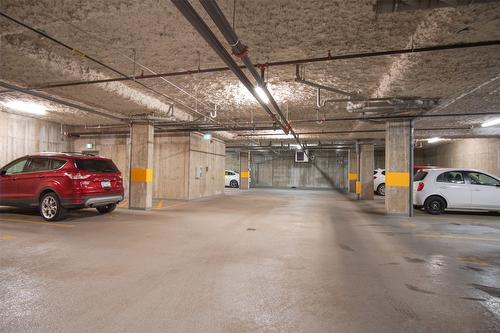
[141,167]
[398,167]
[352,175]
[366,167]
[244,170]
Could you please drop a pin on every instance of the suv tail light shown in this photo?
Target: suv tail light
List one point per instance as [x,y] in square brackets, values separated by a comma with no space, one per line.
[420,186]
[76,176]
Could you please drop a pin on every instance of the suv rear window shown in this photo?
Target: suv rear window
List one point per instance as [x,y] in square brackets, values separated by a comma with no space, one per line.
[101,166]
[420,175]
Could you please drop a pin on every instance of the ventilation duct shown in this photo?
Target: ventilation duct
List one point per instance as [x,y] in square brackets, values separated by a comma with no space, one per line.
[392,6]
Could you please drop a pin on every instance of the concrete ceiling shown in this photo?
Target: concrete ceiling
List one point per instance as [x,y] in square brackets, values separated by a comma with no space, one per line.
[161,40]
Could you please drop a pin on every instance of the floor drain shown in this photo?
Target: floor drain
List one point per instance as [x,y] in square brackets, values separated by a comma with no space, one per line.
[251,229]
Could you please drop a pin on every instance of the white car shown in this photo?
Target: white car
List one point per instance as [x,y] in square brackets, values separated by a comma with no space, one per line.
[379,181]
[232,179]
[440,189]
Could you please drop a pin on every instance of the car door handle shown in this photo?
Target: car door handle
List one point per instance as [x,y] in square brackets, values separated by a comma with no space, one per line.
[41,176]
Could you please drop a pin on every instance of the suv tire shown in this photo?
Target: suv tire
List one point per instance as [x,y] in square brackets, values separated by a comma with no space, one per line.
[233,183]
[434,205]
[50,207]
[106,209]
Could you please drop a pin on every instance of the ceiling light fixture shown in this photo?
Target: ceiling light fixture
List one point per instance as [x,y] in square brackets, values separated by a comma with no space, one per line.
[434,140]
[491,122]
[26,107]
[262,94]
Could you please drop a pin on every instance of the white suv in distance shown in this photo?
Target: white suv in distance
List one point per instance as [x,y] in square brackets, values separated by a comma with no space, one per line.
[438,189]
[232,179]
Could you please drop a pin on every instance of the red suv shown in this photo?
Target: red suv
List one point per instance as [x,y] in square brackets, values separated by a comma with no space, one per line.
[54,182]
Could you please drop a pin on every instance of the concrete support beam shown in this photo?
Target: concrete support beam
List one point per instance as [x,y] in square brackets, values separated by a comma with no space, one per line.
[398,165]
[244,170]
[352,174]
[141,167]
[366,167]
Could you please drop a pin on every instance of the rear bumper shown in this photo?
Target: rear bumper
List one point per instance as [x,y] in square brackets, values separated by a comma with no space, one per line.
[92,201]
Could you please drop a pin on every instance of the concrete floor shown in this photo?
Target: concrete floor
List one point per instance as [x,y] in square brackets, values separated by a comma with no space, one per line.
[258,260]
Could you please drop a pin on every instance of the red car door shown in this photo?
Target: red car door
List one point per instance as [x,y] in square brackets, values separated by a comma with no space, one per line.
[29,181]
[8,180]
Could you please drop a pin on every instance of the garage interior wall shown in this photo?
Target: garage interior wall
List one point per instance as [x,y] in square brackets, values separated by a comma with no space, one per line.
[20,135]
[176,159]
[233,160]
[329,170]
[481,154]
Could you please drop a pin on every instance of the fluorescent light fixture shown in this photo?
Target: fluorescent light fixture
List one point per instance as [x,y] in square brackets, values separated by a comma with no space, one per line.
[262,95]
[434,140]
[491,122]
[296,146]
[26,107]
[207,136]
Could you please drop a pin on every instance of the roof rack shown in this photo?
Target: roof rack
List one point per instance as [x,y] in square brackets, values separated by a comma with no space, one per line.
[69,153]
[78,153]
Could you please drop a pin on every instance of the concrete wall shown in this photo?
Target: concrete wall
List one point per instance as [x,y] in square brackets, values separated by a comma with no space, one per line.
[209,157]
[329,170]
[233,161]
[176,157]
[20,135]
[481,154]
[171,166]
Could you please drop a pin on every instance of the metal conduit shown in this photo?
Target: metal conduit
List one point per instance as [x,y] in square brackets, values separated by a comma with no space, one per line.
[197,22]
[329,57]
[239,49]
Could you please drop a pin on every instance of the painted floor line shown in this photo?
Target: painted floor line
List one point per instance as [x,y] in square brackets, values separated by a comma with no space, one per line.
[50,224]
[459,237]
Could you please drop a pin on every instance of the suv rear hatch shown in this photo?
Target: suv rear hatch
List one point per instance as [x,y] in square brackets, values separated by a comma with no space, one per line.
[98,176]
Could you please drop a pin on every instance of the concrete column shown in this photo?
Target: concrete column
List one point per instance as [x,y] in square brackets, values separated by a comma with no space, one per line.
[366,167]
[352,174]
[244,170]
[398,155]
[141,167]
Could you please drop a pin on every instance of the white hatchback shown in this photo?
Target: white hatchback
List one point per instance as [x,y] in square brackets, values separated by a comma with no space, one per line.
[379,181]
[438,189]
[232,179]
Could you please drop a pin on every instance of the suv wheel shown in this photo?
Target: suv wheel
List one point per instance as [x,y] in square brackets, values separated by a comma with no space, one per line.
[233,183]
[50,207]
[381,189]
[434,205]
[106,209]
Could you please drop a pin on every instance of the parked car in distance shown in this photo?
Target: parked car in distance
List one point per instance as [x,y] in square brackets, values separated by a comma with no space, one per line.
[56,182]
[439,189]
[379,181]
[232,179]
[379,178]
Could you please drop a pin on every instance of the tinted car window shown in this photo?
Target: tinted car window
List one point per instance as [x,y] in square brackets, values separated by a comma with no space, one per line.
[16,166]
[38,164]
[56,164]
[104,166]
[383,172]
[477,178]
[455,177]
[419,176]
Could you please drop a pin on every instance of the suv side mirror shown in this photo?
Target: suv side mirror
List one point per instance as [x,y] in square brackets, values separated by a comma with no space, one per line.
[3,172]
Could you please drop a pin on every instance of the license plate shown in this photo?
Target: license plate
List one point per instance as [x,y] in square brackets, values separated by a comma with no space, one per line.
[105,184]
